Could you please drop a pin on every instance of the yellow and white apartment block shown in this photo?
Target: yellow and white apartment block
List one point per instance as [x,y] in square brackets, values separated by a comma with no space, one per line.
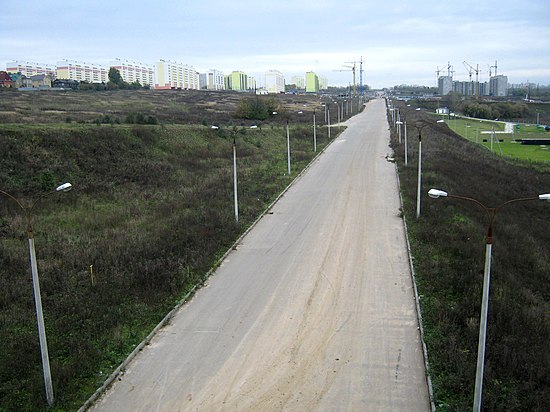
[172,75]
[132,72]
[29,69]
[79,71]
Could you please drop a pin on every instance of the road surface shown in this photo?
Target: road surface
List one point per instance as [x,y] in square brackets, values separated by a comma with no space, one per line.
[314,311]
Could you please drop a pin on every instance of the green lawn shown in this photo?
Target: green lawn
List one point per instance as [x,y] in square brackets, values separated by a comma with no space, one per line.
[479,131]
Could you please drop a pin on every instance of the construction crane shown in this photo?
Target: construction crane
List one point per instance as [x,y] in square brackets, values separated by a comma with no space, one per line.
[353,68]
[471,70]
[449,69]
[490,67]
[350,69]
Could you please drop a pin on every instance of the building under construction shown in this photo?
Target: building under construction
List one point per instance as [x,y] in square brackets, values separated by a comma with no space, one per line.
[496,86]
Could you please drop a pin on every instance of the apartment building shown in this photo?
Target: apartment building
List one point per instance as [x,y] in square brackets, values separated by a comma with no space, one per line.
[252,85]
[236,81]
[172,75]
[29,69]
[298,81]
[135,72]
[274,81]
[80,71]
[445,85]
[312,83]
[498,85]
[212,80]
[323,83]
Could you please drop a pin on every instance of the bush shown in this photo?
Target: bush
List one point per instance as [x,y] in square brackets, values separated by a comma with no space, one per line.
[256,108]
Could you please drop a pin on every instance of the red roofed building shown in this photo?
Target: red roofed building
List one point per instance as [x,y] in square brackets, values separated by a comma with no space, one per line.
[6,80]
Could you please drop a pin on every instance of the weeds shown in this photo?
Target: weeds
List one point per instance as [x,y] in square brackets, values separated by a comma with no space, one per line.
[150,211]
[448,247]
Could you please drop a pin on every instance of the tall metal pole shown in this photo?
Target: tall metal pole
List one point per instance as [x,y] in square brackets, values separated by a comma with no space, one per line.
[482,328]
[406,146]
[328,113]
[36,289]
[40,320]
[288,146]
[314,133]
[491,213]
[399,130]
[235,180]
[418,194]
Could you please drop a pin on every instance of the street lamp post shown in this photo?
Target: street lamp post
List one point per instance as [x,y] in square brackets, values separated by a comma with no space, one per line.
[328,120]
[490,212]
[406,146]
[36,287]
[419,179]
[399,123]
[314,133]
[235,198]
[288,146]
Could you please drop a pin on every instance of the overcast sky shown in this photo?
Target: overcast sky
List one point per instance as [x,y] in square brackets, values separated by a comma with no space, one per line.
[400,41]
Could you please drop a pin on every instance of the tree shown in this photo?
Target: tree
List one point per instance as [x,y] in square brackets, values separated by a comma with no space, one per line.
[115,76]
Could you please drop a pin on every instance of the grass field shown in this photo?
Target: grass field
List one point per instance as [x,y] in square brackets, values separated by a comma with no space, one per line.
[167,106]
[447,244]
[150,213]
[505,144]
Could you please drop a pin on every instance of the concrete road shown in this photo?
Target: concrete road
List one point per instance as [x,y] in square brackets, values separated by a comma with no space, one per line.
[314,311]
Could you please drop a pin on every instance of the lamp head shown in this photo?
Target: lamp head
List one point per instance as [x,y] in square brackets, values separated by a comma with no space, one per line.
[436,193]
[65,187]
[545,197]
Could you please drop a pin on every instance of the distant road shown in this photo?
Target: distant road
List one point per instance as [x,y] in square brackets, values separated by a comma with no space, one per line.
[314,311]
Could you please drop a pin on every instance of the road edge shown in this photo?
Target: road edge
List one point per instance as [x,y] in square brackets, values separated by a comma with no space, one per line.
[416,296]
[120,369]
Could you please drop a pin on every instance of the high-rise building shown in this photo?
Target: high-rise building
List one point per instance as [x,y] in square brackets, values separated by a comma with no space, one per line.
[312,83]
[135,72]
[463,88]
[252,85]
[212,80]
[299,82]
[172,75]
[445,84]
[237,81]
[323,83]
[498,85]
[29,69]
[82,72]
[274,81]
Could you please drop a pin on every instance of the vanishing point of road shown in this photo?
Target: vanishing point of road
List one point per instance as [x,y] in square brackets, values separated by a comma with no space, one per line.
[313,311]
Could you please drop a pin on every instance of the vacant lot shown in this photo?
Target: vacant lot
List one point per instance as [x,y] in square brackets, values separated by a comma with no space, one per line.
[168,106]
[150,213]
